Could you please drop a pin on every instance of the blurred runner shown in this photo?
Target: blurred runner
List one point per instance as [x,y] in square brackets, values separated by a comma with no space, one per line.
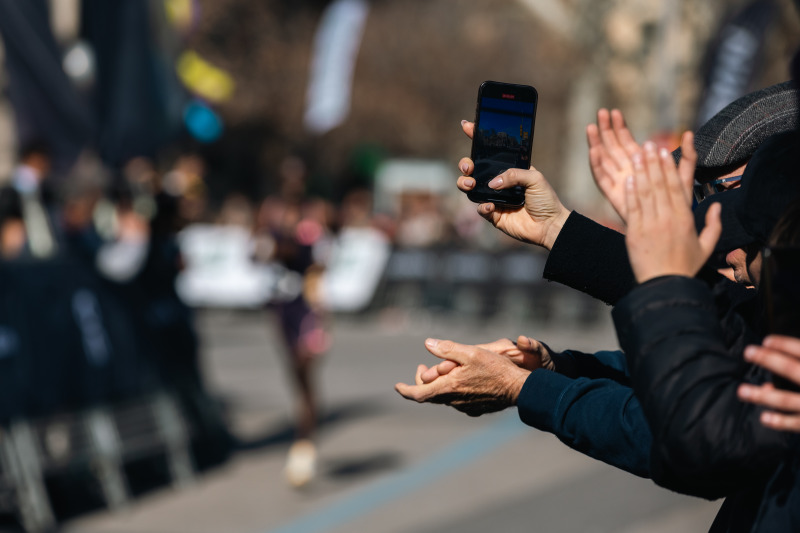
[292,230]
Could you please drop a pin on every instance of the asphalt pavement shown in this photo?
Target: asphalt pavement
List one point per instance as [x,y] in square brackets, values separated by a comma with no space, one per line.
[388,465]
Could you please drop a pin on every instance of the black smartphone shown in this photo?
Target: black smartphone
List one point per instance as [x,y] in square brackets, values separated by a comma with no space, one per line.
[503,138]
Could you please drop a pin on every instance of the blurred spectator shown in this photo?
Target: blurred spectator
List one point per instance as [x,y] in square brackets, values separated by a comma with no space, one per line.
[80,194]
[356,209]
[186,183]
[12,226]
[236,210]
[421,221]
[26,197]
[358,256]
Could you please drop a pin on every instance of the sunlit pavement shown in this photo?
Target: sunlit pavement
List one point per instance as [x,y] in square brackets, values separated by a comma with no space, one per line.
[387,464]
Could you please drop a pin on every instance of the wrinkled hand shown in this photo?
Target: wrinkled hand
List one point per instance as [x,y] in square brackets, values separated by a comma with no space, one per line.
[611,147]
[539,221]
[662,238]
[781,356]
[527,353]
[483,382]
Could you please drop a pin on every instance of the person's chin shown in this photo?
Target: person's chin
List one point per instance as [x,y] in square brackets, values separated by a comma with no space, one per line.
[727,272]
[743,278]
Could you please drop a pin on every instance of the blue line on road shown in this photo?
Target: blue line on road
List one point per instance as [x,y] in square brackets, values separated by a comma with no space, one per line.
[376,494]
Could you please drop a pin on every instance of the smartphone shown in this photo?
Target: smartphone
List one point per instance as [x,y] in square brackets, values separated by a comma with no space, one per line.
[503,138]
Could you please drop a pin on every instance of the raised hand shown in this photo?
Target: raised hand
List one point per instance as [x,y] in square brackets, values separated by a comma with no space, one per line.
[611,147]
[781,356]
[662,238]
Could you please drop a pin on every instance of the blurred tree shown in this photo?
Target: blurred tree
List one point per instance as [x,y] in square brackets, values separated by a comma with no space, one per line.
[649,57]
[417,74]
[421,61]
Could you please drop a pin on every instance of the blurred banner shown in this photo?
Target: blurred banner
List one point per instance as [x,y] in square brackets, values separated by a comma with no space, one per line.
[336,46]
[121,110]
[70,340]
[734,58]
[130,92]
[46,105]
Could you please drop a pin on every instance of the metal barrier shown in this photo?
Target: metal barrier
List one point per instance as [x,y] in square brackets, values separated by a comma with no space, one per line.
[480,284]
[100,441]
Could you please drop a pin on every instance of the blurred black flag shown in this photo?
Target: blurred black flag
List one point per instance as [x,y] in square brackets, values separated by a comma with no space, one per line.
[132,82]
[734,57]
[121,115]
[46,105]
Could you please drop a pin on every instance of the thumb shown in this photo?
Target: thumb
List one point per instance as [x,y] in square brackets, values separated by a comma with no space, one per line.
[526,344]
[711,232]
[518,176]
[468,127]
[448,350]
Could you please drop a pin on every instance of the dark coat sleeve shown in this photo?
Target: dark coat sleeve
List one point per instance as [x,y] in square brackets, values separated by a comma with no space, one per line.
[591,258]
[609,364]
[705,441]
[600,418]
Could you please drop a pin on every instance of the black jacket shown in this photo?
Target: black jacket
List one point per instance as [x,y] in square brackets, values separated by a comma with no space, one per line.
[590,258]
[705,441]
[780,506]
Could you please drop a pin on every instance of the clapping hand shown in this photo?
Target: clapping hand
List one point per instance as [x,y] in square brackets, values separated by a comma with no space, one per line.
[661,237]
[481,381]
[781,356]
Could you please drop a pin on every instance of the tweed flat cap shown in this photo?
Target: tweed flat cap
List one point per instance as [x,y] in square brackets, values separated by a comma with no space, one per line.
[730,137]
[770,183]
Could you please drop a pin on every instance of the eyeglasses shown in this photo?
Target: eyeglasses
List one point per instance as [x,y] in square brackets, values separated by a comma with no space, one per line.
[704,190]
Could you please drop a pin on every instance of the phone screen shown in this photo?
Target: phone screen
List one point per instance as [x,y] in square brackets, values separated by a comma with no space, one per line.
[503,138]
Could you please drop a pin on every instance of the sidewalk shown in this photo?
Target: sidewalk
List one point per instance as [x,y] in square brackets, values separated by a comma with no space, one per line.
[387,464]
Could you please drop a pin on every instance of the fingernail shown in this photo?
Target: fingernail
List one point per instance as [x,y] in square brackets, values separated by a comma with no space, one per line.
[750,353]
[431,343]
[464,122]
[530,342]
[745,391]
[629,182]
[649,146]
[664,153]
[464,168]
[469,182]
[768,418]
[637,159]
[496,182]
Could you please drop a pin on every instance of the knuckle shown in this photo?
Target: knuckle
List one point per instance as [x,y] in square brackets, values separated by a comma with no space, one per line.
[446,346]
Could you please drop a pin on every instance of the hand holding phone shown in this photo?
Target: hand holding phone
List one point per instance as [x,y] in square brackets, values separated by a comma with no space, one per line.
[503,139]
